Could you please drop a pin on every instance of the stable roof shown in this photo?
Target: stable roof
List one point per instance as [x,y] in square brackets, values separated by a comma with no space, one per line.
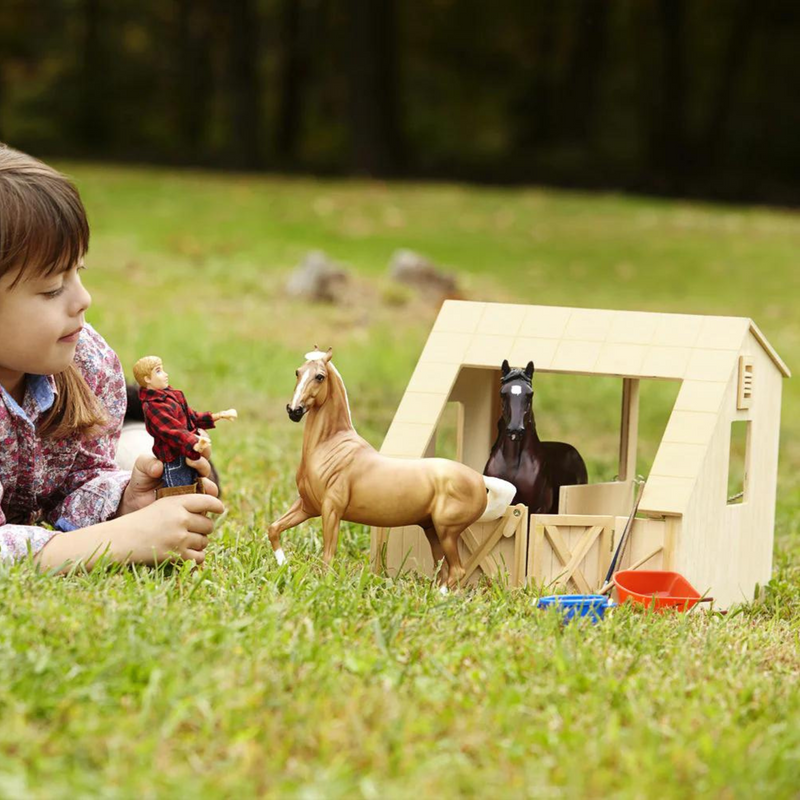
[700,351]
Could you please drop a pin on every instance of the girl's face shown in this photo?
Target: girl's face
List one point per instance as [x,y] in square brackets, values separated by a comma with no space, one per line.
[40,322]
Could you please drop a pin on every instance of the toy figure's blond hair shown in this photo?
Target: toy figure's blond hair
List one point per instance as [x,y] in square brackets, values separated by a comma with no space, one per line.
[44,232]
[144,367]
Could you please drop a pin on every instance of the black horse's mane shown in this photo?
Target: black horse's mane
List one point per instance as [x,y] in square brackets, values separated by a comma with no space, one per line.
[133,412]
[515,375]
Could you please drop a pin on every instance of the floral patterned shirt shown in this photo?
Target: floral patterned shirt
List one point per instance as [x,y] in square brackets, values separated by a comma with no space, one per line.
[70,483]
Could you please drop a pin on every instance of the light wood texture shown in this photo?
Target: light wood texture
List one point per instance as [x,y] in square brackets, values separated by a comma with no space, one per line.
[569,551]
[744,394]
[647,542]
[721,548]
[476,390]
[493,550]
[377,549]
[769,350]
[613,498]
[727,549]
[629,429]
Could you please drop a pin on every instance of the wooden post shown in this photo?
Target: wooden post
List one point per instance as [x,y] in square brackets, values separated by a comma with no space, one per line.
[629,429]
[460,432]
[673,525]
[475,389]
[378,540]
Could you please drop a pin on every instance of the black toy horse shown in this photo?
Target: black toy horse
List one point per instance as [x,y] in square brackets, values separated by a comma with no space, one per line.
[538,469]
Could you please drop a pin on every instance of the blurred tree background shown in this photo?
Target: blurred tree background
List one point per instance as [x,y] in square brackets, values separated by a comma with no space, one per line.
[691,97]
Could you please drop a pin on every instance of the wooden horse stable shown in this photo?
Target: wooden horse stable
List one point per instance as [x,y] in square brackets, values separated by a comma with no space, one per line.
[729,375]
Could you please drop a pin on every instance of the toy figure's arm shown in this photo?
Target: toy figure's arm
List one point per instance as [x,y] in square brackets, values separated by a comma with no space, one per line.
[163,426]
[201,419]
[208,420]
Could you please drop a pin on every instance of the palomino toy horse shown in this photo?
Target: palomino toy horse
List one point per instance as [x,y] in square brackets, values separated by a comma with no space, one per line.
[537,469]
[342,477]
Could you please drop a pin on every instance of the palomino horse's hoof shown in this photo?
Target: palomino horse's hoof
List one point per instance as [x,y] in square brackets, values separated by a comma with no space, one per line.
[280,556]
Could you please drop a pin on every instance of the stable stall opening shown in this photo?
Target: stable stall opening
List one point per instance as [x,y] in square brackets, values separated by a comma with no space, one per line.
[616,424]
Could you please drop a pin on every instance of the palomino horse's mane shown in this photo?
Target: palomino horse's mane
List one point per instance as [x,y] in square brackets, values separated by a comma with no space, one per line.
[342,477]
[318,355]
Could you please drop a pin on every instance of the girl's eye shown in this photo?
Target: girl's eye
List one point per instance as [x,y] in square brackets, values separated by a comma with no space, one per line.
[53,294]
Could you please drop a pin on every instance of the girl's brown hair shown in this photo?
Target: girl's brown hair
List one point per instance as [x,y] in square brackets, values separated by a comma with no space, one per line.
[43,232]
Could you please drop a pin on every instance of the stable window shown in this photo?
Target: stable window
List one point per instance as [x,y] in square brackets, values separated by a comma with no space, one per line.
[738,462]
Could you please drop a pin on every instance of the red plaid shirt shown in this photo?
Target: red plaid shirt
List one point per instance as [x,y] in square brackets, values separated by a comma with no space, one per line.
[171,423]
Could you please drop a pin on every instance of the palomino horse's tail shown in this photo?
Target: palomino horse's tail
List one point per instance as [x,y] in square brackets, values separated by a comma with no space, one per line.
[501,493]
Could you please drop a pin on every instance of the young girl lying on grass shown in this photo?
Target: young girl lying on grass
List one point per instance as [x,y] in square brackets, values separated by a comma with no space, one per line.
[62,400]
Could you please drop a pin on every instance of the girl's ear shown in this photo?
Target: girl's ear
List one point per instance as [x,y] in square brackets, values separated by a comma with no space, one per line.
[529,370]
[504,367]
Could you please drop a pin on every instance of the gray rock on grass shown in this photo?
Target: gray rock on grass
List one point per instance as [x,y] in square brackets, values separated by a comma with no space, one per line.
[318,278]
[413,269]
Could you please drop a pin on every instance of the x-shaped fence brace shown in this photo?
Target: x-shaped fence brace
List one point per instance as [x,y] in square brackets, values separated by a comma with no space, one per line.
[572,560]
[512,521]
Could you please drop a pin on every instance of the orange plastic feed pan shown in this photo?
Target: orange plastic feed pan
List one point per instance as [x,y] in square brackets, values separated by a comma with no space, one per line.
[656,588]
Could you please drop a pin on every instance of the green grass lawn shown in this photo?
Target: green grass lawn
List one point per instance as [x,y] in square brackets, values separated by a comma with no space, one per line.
[245,678]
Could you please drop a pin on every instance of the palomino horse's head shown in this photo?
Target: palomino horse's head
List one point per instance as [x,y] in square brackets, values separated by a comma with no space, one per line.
[516,394]
[311,388]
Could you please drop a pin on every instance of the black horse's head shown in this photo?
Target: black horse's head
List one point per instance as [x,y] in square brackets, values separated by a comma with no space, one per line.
[516,394]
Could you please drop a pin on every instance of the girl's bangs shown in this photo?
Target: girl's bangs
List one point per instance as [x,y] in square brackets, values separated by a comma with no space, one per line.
[44,230]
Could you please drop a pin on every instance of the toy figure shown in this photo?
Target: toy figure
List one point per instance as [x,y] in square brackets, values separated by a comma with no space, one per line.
[178,431]
[342,477]
[538,469]
[134,440]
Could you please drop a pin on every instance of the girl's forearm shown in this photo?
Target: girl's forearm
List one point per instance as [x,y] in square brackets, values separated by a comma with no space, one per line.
[87,545]
[173,528]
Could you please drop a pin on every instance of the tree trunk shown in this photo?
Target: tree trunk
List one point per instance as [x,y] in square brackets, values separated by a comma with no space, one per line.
[93,128]
[534,112]
[194,75]
[734,59]
[670,134]
[580,91]
[245,93]
[292,80]
[376,142]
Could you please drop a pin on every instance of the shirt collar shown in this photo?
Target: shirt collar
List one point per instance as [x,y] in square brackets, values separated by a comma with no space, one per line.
[43,390]
[40,393]
[154,394]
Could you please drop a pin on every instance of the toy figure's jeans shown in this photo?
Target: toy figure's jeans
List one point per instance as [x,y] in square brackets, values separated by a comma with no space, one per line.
[176,473]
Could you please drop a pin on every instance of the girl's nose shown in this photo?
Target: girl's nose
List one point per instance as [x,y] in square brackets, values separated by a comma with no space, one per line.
[82,300]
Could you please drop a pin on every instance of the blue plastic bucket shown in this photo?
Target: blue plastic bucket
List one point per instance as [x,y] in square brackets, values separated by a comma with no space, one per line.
[577,605]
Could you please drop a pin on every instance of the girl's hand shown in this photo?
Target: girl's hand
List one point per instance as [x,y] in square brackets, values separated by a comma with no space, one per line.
[171,529]
[146,478]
